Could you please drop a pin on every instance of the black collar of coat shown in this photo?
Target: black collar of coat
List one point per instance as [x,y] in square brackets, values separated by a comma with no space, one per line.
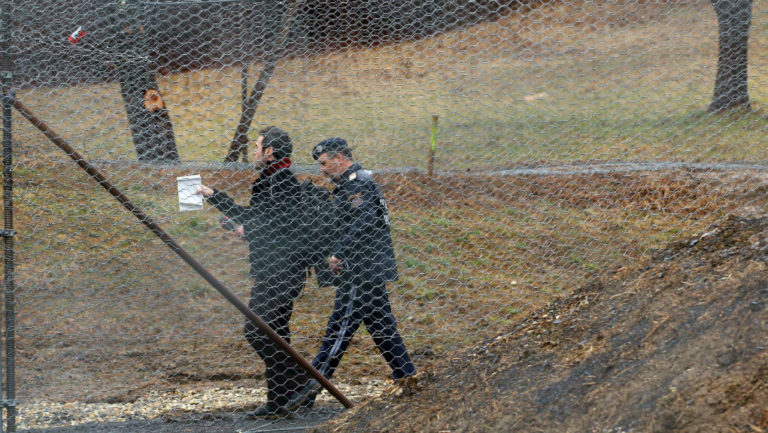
[354,168]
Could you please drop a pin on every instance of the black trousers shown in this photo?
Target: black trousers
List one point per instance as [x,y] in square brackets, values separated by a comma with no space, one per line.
[363,303]
[272,300]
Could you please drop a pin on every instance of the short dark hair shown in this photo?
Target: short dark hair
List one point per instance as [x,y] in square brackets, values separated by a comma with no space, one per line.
[278,140]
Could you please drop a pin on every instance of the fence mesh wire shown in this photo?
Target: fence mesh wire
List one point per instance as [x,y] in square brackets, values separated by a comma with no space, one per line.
[571,138]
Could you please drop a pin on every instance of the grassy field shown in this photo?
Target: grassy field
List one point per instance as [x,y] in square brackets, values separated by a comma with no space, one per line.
[100,297]
[107,312]
[563,82]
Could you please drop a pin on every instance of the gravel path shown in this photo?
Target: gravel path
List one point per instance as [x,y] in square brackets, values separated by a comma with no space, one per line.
[206,423]
[215,409]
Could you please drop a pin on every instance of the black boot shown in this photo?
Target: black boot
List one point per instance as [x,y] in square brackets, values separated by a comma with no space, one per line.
[303,394]
[309,402]
[271,410]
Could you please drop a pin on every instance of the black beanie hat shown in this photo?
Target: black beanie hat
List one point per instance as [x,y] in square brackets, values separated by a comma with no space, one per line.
[277,139]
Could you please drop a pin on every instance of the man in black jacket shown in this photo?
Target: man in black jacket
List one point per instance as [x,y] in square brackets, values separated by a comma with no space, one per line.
[363,257]
[271,225]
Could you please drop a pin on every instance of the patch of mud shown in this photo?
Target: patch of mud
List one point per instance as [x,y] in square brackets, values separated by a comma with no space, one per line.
[677,343]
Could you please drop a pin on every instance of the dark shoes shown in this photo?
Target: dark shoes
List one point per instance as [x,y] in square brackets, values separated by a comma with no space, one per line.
[304,396]
[309,402]
[271,410]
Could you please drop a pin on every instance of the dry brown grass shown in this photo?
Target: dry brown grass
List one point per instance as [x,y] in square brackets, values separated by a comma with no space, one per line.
[671,343]
[475,254]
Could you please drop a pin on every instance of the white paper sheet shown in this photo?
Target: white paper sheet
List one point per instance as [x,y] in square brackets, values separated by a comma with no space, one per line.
[189,200]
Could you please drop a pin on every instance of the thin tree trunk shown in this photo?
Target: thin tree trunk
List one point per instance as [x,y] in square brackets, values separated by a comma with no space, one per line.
[244,102]
[240,141]
[734,18]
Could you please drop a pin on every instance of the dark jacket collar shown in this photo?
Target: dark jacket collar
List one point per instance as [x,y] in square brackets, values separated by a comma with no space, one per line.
[345,176]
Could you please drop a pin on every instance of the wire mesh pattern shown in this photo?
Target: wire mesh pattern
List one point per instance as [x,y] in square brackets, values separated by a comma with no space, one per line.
[501,153]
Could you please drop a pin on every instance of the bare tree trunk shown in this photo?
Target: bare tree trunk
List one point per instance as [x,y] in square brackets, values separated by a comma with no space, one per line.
[734,18]
[145,108]
[240,141]
[148,117]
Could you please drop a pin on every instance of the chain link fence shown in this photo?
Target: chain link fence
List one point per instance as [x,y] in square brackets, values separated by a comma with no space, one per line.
[521,148]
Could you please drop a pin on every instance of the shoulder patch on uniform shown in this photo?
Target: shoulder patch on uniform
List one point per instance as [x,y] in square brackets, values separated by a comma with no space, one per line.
[353,176]
[356,200]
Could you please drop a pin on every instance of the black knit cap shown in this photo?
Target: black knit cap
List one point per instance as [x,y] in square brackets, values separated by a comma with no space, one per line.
[334,144]
[277,139]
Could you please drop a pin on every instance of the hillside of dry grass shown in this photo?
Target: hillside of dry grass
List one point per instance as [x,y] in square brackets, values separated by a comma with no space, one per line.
[475,255]
[674,343]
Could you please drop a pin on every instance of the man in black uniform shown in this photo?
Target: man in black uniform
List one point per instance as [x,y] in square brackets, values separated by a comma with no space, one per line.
[270,224]
[363,257]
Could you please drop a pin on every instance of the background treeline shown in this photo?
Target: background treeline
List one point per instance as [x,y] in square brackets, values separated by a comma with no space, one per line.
[178,36]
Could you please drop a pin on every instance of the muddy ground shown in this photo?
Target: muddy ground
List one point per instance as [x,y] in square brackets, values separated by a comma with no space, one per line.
[676,343]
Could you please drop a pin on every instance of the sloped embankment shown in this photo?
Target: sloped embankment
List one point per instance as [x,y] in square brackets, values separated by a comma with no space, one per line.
[674,344]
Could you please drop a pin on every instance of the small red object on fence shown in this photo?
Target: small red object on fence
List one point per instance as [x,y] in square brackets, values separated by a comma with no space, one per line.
[76,35]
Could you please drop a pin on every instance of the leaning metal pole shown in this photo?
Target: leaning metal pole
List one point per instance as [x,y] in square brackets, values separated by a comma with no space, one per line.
[165,237]
[6,69]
